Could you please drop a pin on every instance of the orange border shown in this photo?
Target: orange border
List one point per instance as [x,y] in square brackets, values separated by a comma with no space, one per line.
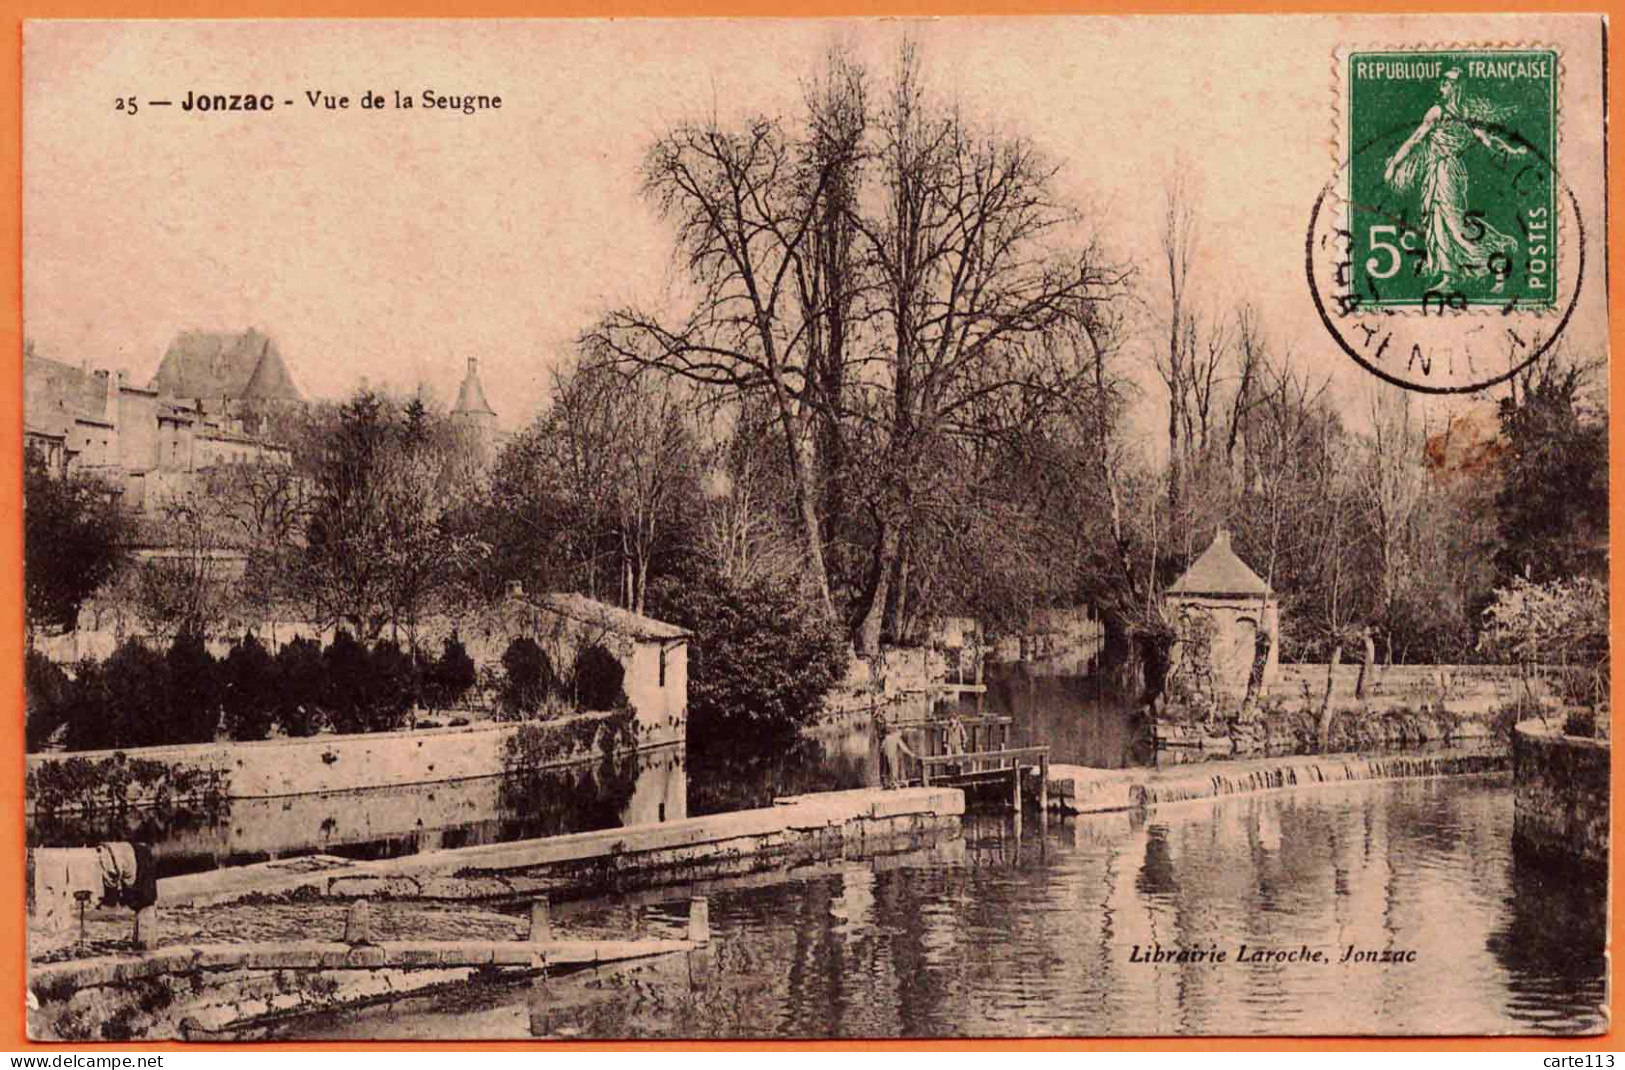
[11,630]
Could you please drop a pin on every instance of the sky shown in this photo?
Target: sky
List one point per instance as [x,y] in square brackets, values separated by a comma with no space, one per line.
[392,244]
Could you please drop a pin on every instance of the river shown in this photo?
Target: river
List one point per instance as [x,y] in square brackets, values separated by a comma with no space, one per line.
[991,936]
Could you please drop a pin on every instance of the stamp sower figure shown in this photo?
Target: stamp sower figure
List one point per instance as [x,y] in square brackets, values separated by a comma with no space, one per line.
[1433,157]
[892,750]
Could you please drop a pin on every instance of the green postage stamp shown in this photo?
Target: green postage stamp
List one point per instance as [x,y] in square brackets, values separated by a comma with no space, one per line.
[1451,177]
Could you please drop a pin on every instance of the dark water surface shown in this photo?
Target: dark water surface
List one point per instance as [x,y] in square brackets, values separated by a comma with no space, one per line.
[1051,703]
[991,936]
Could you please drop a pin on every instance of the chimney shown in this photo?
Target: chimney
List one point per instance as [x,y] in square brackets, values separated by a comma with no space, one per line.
[473,365]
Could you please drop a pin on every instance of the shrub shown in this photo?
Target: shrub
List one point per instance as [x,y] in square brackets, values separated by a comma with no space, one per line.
[301,674]
[1581,722]
[448,679]
[527,678]
[250,690]
[46,689]
[122,702]
[392,687]
[599,679]
[348,685]
[192,713]
[760,663]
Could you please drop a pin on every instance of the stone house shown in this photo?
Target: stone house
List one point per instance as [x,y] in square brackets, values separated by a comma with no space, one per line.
[653,653]
[1220,606]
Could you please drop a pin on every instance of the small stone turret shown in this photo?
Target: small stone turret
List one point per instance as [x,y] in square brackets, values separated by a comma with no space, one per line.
[1237,605]
[472,409]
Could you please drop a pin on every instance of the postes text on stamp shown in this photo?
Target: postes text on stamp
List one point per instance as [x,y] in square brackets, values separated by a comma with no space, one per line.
[1451,178]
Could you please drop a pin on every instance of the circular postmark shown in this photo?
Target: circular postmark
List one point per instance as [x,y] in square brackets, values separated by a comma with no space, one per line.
[1451,267]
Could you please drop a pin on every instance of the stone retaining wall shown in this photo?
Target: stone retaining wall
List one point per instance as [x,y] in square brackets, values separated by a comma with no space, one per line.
[332,763]
[1561,793]
[1457,688]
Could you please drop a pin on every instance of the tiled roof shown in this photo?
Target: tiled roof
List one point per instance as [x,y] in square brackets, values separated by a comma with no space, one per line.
[1220,572]
[271,380]
[213,365]
[580,608]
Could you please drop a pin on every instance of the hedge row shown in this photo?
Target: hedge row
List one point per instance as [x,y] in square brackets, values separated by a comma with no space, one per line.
[139,697]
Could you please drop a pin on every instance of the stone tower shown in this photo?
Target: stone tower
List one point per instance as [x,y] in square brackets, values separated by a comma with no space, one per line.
[1237,604]
[472,410]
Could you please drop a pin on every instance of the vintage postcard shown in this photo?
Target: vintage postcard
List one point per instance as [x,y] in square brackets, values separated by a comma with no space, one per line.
[794,529]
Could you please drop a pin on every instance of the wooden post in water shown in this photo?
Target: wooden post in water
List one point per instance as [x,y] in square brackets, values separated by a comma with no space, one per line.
[1015,793]
[541,919]
[1043,783]
[699,920]
[145,937]
[358,923]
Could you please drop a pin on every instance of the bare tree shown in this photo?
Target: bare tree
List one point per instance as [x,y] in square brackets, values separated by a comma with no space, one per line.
[741,532]
[976,286]
[1390,485]
[759,214]
[1177,246]
[187,585]
[267,505]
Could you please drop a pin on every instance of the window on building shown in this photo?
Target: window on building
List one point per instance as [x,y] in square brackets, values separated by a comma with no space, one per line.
[662,666]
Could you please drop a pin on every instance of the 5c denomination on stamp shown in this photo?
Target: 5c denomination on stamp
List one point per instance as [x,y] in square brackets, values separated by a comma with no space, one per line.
[1446,253]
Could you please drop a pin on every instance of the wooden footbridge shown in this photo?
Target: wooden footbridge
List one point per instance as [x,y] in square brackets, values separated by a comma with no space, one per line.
[986,760]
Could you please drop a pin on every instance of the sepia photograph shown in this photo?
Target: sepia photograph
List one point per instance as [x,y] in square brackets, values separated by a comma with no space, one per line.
[807,529]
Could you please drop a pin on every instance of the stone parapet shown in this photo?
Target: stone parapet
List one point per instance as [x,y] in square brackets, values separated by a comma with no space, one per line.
[1561,793]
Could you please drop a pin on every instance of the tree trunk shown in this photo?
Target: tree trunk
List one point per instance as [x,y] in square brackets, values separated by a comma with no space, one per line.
[1156,655]
[866,636]
[1262,644]
[1326,711]
[1120,655]
[897,613]
[1367,666]
[812,541]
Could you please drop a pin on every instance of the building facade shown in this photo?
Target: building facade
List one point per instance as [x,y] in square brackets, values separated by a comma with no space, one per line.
[151,443]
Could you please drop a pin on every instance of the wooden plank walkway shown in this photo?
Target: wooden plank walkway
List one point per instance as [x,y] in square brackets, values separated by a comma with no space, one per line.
[976,768]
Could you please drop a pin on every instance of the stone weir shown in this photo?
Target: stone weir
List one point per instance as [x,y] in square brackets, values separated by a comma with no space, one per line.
[211,991]
[796,831]
[1075,789]
[1560,793]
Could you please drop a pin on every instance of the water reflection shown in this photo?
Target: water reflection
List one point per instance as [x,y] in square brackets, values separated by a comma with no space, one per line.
[987,938]
[1080,712]
[1061,701]
[647,787]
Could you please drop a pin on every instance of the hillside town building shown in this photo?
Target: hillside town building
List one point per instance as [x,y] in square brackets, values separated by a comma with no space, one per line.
[203,409]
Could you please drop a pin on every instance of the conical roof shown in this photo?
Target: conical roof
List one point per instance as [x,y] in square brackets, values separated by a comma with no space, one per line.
[471,396]
[1219,572]
[271,381]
